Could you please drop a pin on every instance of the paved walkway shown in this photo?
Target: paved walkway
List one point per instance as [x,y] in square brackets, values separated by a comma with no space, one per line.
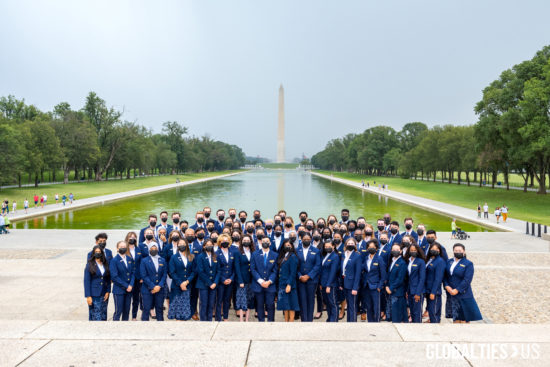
[470,215]
[54,208]
[82,343]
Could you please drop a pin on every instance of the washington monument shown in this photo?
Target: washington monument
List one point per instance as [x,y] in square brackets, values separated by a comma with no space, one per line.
[281,128]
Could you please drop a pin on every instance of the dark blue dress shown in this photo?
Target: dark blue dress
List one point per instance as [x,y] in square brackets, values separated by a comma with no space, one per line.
[287,276]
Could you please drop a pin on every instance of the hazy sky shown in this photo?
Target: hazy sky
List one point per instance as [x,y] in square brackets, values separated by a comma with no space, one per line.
[216,66]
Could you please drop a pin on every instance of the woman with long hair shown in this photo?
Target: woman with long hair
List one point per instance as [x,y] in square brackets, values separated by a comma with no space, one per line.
[287,299]
[97,285]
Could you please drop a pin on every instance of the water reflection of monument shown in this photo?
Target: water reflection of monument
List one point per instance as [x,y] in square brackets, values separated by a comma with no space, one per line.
[280,190]
[281,127]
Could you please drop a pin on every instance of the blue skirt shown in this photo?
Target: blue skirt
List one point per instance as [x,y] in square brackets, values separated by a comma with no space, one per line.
[465,309]
[287,301]
[180,306]
[244,298]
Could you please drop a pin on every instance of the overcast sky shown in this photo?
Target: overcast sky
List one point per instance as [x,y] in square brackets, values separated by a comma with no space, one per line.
[216,66]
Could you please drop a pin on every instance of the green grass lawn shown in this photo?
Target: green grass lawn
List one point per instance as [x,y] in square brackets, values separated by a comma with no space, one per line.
[84,190]
[279,165]
[527,206]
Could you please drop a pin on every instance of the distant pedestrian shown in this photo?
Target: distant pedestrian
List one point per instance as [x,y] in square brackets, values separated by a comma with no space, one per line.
[14,206]
[368,184]
[362,183]
[64,199]
[71,198]
[45,199]
[35,201]
[453,228]
[3,207]
[42,201]
[478,210]
[497,214]
[3,224]
[486,211]
[57,198]
[504,212]
[26,205]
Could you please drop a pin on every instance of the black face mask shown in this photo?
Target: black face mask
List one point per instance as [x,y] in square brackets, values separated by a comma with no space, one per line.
[283,218]
[153,223]
[243,219]
[337,241]
[175,220]
[232,216]
[207,214]
[342,232]
[350,247]
[303,219]
[221,218]
[383,242]
[459,255]
[235,238]
[430,240]
[393,231]
[408,227]
[320,225]
[164,219]
[209,229]
[368,233]
[301,233]
[413,253]
[358,238]
[277,222]
[132,241]
[372,250]
[260,237]
[182,248]
[380,228]
[326,236]
[309,227]
[265,244]
[405,244]
[434,253]
[387,220]
[420,231]
[328,250]
[331,222]
[269,227]
[396,253]
[256,217]
[361,226]
[292,239]
[250,230]
[149,237]
[214,239]
[351,229]
[246,244]
[278,233]
[306,243]
[122,250]
[154,252]
[200,235]
[225,244]
[190,238]
[184,227]
[288,248]
[97,255]
[209,248]
[345,218]
[288,225]
[316,238]
[200,220]
[175,238]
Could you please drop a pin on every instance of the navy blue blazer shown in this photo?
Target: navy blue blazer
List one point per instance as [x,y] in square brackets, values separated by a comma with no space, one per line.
[417,277]
[394,239]
[385,253]
[196,247]
[461,279]
[267,272]
[142,234]
[354,267]
[151,277]
[219,226]
[273,245]
[287,271]
[413,234]
[311,265]
[197,225]
[108,255]
[376,277]
[397,278]
[144,250]
[227,268]
[96,285]
[435,272]
[137,261]
[243,268]
[329,270]
[168,227]
[180,273]
[206,274]
[362,249]
[167,252]
[122,275]
[424,245]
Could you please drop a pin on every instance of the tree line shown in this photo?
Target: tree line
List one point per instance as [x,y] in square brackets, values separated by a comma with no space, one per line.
[96,142]
[512,135]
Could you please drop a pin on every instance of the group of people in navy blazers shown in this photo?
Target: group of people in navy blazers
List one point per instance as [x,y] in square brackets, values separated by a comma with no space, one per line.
[346,268]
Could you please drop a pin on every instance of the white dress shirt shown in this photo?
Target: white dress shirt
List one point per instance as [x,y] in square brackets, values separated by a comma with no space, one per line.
[347,255]
[453,265]
[100,267]
[155,262]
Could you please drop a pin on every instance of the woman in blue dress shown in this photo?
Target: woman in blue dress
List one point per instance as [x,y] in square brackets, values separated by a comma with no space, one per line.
[458,279]
[287,299]
[244,297]
[182,271]
[97,285]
